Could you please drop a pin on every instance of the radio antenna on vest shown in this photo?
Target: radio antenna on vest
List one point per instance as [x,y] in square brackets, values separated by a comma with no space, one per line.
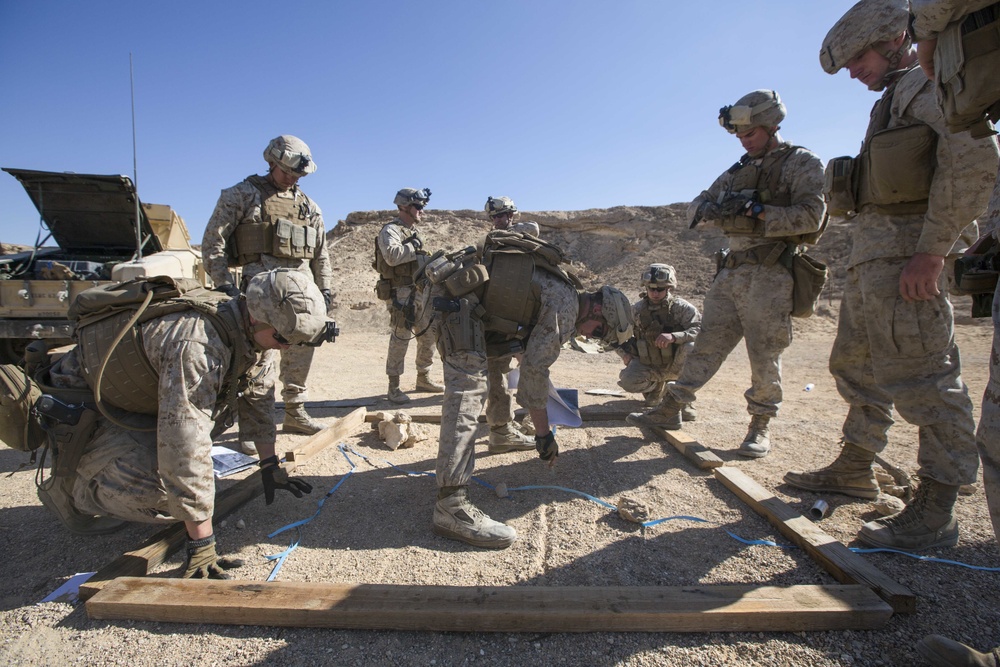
[135,169]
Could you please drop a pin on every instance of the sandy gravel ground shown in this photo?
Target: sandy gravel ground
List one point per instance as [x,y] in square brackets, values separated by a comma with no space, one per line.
[376,529]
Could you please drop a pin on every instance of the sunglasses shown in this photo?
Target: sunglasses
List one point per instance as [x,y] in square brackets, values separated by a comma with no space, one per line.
[656,289]
[419,207]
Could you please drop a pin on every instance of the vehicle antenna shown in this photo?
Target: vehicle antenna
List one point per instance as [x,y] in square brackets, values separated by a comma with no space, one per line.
[135,170]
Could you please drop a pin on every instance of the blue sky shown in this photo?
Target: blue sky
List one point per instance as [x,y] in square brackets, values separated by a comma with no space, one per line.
[559,105]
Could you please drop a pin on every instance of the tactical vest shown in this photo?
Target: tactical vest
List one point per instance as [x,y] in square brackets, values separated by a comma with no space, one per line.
[766,185]
[285,229]
[510,297]
[650,324]
[966,62]
[896,165]
[400,275]
[129,381]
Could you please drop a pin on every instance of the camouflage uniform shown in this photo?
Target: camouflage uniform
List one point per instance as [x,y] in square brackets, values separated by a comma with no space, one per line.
[751,298]
[465,376]
[931,16]
[672,315]
[243,203]
[165,475]
[892,352]
[395,252]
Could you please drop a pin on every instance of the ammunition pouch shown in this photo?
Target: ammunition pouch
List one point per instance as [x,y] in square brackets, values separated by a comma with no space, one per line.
[461,329]
[68,441]
[840,188]
[740,225]
[808,279]
[282,238]
[651,355]
[383,289]
[293,241]
[966,62]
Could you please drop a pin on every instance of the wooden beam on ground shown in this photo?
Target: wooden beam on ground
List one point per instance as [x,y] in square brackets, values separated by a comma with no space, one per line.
[701,456]
[343,427]
[845,565]
[493,609]
[162,545]
[587,413]
[341,403]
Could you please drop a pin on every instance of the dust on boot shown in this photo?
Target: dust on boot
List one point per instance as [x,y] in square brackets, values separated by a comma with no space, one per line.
[940,651]
[508,438]
[396,394]
[667,415]
[851,474]
[757,443]
[426,385]
[297,420]
[927,522]
[455,517]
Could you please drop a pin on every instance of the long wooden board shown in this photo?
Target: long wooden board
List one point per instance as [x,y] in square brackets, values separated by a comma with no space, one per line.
[492,609]
[845,565]
[342,428]
[701,456]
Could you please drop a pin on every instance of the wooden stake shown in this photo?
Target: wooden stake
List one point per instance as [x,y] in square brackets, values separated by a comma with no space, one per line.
[492,609]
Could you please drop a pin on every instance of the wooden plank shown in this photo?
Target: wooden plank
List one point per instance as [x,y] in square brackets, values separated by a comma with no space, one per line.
[587,413]
[845,565]
[492,609]
[340,403]
[343,427]
[701,456]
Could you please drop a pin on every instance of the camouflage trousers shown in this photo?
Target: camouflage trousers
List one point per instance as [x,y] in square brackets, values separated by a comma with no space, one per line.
[751,302]
[118,476]
[399,339]
[498,400]
[464,395]
[640,378]
[892,353]
[292,371]
[988,435]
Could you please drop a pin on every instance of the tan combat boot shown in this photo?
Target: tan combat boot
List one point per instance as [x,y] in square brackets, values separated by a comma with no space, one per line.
[455,517]
[850,474]
[667,415]
[927,522]
[297,420]
[56,494]
[688,412]
[940,651]
[396,394]
[508,438]
[426,385]
[757,444]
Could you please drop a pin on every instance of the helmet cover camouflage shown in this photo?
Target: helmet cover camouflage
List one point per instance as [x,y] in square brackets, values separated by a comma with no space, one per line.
[408,196]
[865,24]
[291,154]
[761,108]
[289,301]
[616,310]
[659,275]
[499,205]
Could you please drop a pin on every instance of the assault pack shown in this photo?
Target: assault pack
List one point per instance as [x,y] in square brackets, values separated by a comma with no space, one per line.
[966,62]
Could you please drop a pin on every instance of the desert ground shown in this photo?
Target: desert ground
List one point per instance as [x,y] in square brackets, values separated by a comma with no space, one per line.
[375,528]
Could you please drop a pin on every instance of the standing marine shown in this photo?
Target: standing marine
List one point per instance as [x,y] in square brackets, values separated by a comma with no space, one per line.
[768,203]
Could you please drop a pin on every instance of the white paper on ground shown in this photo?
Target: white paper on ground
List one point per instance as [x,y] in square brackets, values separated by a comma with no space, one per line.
[563,406]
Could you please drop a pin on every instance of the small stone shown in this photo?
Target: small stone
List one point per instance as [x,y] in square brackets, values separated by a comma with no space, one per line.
[241,524]
[222,524]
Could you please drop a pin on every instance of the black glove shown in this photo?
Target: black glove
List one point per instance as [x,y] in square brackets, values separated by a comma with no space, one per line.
[327,296]
[735,205]
[546,446]
[415,242]
[203,563]
[230,289]
[708,211]
[275,477]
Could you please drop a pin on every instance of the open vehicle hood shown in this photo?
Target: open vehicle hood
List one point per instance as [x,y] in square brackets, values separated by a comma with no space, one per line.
[88,213]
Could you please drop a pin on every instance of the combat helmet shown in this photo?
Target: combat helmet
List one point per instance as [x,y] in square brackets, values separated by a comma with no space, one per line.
[659,275]
[865,25]
[616,310]
[409,196]
[289,301]
[500,205]
[291,154]
[761,108]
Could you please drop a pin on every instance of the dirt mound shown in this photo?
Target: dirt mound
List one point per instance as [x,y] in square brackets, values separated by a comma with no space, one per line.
[606,247]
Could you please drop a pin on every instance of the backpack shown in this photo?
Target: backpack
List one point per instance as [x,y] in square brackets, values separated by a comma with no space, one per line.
[19,427]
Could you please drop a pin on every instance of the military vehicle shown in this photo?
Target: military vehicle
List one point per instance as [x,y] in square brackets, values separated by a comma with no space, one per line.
[92,219]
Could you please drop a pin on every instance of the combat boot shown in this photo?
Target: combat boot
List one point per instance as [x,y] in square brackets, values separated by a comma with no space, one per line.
[850,474]
[667,415]
[688,412]
[396,394]
[297,420]
[455,517]
[55,494]
[248,447]
[940,651]
[927,522]
[426,385]
[508,438]
[654,395]
[757,444]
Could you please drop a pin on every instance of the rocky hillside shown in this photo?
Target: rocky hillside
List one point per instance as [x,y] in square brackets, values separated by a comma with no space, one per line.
[606,246]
